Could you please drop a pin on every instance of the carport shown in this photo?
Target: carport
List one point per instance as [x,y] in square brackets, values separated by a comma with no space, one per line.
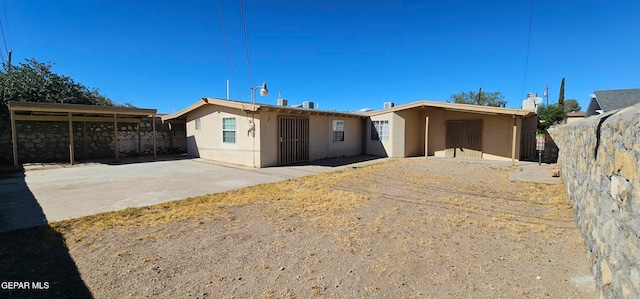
[28,111]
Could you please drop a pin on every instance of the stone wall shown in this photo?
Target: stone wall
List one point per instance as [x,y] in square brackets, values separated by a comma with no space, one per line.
[40,141]
[599,163]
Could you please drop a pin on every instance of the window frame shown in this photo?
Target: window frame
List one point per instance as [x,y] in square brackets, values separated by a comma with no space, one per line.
[225,139]
[198,123]
[377,132]
[337,133]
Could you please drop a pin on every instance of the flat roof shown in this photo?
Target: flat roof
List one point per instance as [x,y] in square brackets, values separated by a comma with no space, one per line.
[252,108]
[64,109]
[455,107]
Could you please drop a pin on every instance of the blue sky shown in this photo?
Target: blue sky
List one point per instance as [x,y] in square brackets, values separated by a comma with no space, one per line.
[344,55]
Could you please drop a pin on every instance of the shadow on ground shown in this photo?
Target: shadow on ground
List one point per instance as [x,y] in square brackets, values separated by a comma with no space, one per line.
[38,258]
[337,162]
[34,259]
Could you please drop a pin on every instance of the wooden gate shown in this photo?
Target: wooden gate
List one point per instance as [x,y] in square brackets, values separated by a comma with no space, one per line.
[464,139]
[294,139]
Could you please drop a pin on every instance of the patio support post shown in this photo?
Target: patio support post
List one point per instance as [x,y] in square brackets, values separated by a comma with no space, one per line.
[139,140]
[153,125]
[84,138]
[513,141]
[14,139]
[115,134]
[71,158]
[426,137]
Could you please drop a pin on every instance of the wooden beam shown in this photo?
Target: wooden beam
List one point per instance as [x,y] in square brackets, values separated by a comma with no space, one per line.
[71,157]
[14,139]
[115,134]
[426,137]
[84,138]
[76,108]
[513,141]
[74,118]
[153,121]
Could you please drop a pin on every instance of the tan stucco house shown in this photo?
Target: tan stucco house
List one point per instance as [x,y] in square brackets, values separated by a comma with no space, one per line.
[263,135]
[451,130]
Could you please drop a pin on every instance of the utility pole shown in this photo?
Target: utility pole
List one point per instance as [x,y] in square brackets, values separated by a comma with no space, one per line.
[546,94]
[479,93]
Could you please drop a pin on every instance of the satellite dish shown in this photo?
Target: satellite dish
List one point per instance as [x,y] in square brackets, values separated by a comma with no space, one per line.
[537,100]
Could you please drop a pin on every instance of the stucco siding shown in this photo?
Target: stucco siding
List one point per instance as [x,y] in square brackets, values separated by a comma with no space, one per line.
[207,142]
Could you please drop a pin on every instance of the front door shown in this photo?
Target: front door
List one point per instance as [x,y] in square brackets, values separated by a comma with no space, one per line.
[294,139]
[464,139]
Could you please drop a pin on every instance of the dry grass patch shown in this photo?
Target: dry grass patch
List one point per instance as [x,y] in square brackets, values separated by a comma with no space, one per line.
[313,197]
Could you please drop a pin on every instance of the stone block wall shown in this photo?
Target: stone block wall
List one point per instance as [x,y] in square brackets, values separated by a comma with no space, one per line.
[45,141]
[599,163]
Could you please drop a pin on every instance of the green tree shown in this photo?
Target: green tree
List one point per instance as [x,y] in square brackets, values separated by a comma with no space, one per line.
[571,105]
[550,115]
[561,95]
[492,98]
[33,81]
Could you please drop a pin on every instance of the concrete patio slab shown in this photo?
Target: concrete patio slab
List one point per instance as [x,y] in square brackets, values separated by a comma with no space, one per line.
[48,193]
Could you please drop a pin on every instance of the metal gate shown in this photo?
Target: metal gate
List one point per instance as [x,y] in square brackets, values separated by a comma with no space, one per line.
[464,139]
[294,139]
[528,146]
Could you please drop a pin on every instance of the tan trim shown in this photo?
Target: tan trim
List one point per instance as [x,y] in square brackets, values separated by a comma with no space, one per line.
[455,107]
[153,121]
[115,134]
[73,118]
[254,108]
[75,108]
[513,141]
[72,159]
[14,139]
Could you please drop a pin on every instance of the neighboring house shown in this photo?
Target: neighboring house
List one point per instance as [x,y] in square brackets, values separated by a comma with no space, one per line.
[262,135]
[575,116]
[607,100]
[452,130]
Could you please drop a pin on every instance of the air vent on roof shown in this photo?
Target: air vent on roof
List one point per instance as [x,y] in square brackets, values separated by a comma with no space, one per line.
[388,105]
[307,104]
[283,102]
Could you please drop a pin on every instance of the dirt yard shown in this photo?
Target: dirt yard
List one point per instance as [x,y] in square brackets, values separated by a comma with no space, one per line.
[399,229]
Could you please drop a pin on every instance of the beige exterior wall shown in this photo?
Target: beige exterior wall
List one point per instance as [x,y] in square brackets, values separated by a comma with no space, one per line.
[408,132]
[320,144]
[207,142]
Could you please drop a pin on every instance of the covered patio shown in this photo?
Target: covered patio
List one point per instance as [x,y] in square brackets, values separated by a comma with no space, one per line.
[70,113]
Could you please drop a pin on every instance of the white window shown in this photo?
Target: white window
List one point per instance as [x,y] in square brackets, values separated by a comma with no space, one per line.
[198,123]
[380,130]
[229,130]
[337,132]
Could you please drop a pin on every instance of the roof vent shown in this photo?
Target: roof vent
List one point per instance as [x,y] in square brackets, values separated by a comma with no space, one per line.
[388,105]
[283,102]
[307,104]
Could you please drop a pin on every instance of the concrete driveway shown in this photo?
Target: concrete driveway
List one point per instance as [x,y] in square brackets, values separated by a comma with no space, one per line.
[41,195]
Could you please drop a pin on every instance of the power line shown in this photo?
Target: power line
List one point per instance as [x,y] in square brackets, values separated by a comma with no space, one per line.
[526,65]
[6,19]
[246,44]
[3,39]
[226,42]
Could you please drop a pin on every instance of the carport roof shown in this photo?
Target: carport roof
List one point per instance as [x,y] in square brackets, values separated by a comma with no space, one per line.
[253,108]
[456,107]
[61,112]
[30,111]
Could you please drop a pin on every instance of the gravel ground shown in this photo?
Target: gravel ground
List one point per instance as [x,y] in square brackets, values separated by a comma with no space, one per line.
[410,228]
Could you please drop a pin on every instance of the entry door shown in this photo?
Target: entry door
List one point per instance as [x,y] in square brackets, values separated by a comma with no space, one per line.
[464,139]
[294,139]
